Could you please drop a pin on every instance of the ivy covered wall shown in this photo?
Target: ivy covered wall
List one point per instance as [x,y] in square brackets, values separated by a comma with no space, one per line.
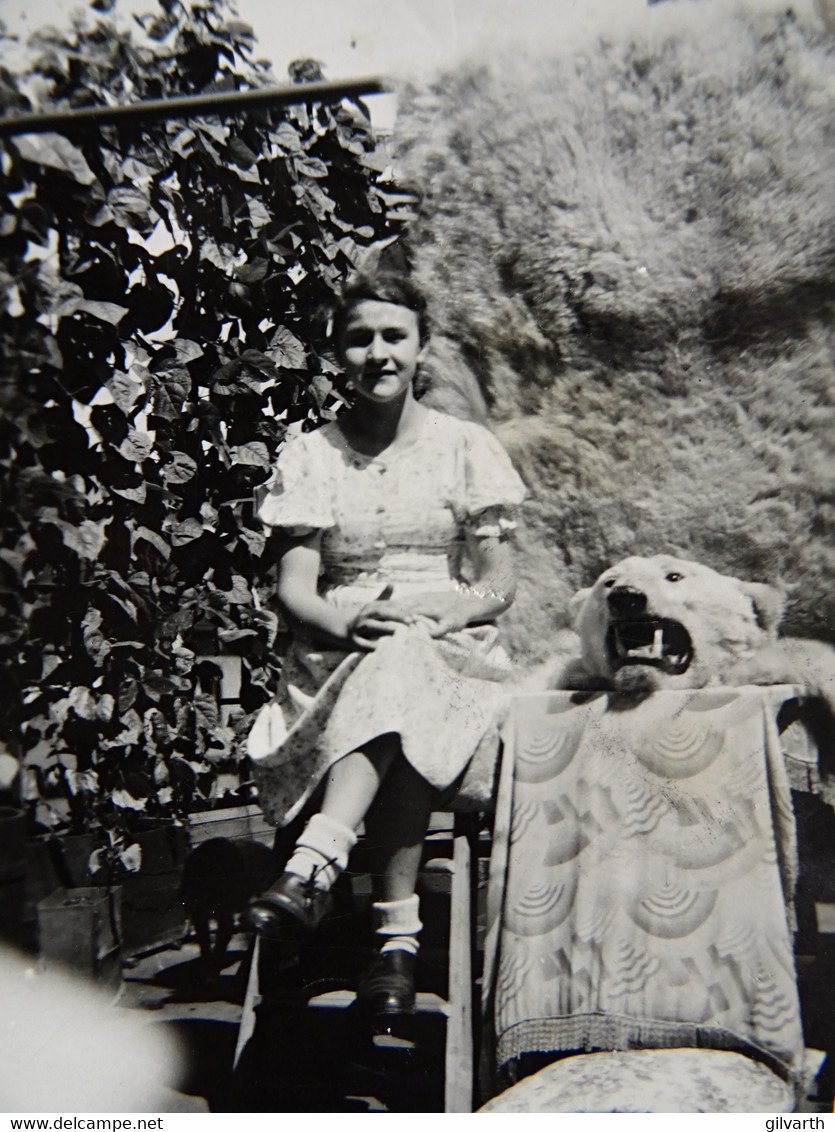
[163,290]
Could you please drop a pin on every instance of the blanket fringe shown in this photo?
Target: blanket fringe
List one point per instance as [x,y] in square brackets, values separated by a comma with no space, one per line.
[587,1033]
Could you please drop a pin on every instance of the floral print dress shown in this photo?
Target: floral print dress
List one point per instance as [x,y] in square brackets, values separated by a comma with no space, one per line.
[403,520]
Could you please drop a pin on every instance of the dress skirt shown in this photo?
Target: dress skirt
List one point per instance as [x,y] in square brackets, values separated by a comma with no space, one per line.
[442,697]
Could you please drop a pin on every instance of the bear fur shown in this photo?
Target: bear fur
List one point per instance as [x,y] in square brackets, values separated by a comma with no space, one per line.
[665,622]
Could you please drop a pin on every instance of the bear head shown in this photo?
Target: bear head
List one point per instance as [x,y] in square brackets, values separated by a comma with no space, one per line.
[664,622]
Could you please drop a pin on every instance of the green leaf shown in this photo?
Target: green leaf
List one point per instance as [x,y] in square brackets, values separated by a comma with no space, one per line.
[86,538]
[123,603]
[155,684]
[57,152]
[254,454]
[136,446]
[82,782]
[154,539]
[217,132]
[376,161]
[125,391]
[134,494]
[102,216]
[319,203]
[156,728]
[181,469]
[287,138]
[241,154]
[94,640]
[9,770]
[63,296]
[262,363]
[53,812]
[131,857]
[181,144]
[225,257]
[240,593]
[131,726]
[83,703]
[238,29]
[248,176]
[286,350]
[185,532]
[126,801]
[312,167]
[254,540]
[42,755]
[137,171]
[349,249]
[258,214]
[176,381]
[105,312]
[206,710]
[253,272]
[321,387]
[131,207]
[128,691]
[187,351]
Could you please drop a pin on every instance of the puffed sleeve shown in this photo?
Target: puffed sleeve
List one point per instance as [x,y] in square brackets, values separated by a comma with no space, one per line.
[299,495]
[491,487]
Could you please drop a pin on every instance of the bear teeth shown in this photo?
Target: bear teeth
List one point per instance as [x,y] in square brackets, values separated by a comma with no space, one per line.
[661,644]
[654,650]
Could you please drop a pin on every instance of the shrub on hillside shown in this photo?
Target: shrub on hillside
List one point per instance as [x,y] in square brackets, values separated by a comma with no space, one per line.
[631,249]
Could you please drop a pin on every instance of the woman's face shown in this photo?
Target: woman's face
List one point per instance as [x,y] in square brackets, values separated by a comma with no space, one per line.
[380,347]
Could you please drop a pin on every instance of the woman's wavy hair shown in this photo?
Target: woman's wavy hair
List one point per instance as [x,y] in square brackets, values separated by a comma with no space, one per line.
[381,287]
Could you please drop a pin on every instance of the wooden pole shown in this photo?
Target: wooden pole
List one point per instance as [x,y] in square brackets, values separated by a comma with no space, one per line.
[190,106]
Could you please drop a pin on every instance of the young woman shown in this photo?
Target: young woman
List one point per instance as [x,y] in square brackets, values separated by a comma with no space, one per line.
[397,566]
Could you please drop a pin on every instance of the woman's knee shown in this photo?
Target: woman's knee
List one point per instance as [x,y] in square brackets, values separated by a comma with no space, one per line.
[384,752]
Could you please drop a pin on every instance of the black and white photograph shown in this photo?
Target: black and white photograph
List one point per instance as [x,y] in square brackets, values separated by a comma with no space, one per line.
[417,545]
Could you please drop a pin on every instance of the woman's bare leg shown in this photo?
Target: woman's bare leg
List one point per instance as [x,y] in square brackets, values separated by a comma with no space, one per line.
[395,828]
[378,785]
[353,783]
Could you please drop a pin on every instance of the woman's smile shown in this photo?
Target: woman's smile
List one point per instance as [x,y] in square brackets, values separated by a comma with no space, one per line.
[381,349]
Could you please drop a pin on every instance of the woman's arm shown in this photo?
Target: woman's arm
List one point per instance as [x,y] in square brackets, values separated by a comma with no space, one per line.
[298,592]
[491,591]
[494,583]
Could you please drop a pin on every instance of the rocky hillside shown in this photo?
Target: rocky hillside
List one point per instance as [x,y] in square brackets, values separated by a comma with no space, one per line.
[631,251]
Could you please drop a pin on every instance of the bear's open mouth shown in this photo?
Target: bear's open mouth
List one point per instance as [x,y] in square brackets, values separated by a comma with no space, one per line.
[657,642]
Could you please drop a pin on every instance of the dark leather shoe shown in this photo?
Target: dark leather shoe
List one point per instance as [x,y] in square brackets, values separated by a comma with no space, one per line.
[387,986]
[289,911]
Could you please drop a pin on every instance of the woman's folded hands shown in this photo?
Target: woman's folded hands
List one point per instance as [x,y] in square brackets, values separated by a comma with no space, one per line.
[376,620]
[438,613]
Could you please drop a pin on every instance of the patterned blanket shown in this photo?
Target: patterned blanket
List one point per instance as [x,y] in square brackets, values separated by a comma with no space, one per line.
[643,867]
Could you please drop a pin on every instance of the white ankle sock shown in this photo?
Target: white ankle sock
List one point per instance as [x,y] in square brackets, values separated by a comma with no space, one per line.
[322,851]
[407,943]
[397,924]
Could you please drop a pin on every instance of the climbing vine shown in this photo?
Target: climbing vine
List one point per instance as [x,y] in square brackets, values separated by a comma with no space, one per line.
[163,293]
